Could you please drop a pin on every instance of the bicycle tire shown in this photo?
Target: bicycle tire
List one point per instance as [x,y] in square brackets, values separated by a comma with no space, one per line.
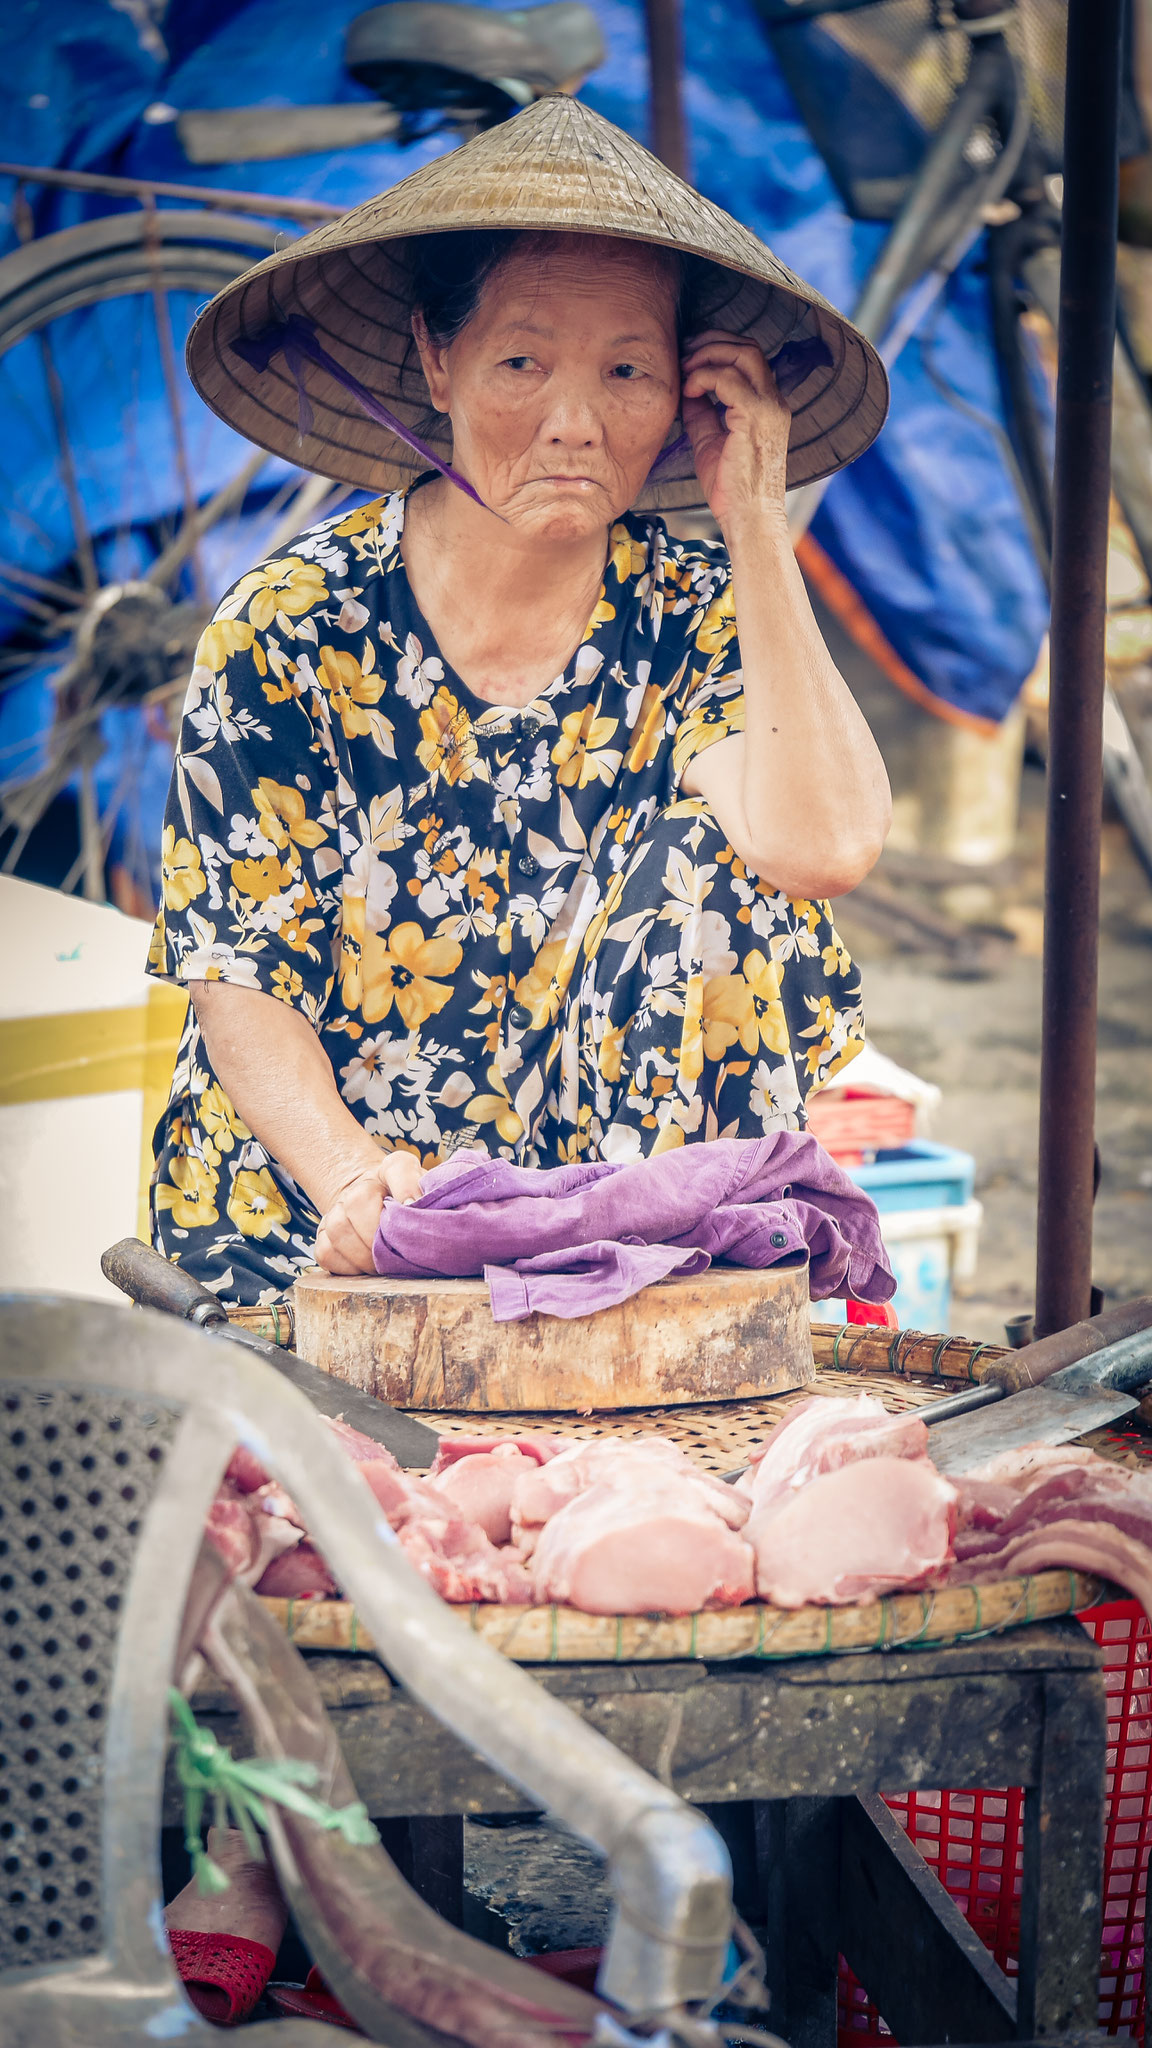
[119,256]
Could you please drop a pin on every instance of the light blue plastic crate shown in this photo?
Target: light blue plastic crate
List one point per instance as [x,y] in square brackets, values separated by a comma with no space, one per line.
[918,1175]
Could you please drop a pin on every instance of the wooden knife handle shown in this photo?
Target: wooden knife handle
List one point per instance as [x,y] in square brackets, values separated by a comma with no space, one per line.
[1033,1364]
[144,1276]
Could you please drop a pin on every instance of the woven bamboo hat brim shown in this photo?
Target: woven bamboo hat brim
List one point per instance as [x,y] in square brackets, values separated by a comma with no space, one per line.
[557,167]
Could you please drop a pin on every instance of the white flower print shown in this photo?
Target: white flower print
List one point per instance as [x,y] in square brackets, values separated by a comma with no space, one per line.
[416,679]
[379,1065]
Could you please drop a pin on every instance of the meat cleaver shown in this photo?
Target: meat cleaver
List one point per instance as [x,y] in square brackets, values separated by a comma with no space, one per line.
[141,1273]
[1041,1407]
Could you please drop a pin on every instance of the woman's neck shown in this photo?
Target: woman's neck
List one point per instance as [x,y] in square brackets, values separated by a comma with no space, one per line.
[507,614]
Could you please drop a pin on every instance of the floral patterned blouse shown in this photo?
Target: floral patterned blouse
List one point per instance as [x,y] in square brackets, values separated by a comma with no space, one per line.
[506,926]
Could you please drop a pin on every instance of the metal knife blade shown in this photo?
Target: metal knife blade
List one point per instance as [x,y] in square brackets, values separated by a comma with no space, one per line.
[1039,1415]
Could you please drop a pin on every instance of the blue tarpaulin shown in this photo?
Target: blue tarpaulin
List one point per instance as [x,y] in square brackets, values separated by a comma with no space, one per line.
[926,527]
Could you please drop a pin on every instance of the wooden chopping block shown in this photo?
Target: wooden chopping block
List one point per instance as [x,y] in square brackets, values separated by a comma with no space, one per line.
[728,1335]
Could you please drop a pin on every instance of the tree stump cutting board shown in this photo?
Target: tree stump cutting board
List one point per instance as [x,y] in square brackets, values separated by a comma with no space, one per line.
[727,1335]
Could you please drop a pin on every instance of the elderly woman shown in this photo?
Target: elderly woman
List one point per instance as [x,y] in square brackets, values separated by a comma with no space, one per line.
[501,817]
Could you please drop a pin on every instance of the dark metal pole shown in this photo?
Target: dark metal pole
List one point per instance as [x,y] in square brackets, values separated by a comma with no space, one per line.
[1081,490]
[665,68]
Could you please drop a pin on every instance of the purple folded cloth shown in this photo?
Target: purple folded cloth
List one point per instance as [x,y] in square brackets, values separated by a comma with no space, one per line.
[566,1240]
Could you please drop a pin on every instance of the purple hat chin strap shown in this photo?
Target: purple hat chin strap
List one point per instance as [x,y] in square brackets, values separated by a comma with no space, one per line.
[295,339]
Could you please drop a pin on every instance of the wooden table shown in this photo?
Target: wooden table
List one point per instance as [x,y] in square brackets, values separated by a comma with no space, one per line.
[789,1759]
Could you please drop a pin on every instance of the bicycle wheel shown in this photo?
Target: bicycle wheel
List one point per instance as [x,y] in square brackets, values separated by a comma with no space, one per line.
[108,554]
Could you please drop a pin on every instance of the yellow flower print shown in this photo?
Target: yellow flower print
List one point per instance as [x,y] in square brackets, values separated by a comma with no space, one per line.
[594,935]
[190,1196]
[628,557]
[542,989]
[256,1206]
[648,730]
[764,978]
[376,972]
[282,815]
[181,869]
[258,879]
[354,688]
[158,944]
[448,746]
[836,957]
[575,753]
[222,638]
[718,626]
[611,1052]
[493,993]
[219,1118]
[728,1016]
[363,520]
[289,585]
[286,983]
[600,617]
[496,1109]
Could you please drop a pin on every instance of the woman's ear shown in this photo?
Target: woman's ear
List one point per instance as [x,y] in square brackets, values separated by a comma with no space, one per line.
[431,362]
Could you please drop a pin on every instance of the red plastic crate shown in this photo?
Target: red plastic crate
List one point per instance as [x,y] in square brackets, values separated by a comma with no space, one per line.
[974,1843]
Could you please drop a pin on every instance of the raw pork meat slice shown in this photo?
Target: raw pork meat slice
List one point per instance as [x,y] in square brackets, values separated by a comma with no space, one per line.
[853,1533]
[299,1574]
[643,1549]
[453,1448]
[822,1434]
[485,1487]
[247,1540]
[630,1463]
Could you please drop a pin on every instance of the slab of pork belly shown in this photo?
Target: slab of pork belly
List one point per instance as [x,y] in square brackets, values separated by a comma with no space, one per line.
[633,1464]
[655,1547]
[849,1535]
[824,1433]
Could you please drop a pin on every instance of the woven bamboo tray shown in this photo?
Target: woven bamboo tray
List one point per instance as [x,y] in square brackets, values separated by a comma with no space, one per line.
[562,1635]
[720,1435]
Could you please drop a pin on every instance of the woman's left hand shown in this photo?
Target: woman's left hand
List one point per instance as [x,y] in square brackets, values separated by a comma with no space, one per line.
[740,450]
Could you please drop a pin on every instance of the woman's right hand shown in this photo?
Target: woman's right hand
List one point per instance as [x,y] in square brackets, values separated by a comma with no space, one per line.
[348,1227]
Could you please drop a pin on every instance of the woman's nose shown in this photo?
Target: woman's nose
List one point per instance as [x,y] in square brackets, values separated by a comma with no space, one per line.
[573,420]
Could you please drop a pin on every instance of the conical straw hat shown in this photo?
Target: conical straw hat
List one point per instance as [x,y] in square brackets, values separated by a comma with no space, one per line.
[558,167]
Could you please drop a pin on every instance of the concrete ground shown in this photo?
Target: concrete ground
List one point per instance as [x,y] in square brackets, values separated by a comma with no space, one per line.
[978,1039]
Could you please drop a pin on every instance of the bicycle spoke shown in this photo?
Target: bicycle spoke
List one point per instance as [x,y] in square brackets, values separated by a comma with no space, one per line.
[172,387]
[84,549]
[227,499]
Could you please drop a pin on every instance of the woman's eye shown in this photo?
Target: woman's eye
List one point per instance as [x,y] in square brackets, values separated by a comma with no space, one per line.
[517,362]
[625,370]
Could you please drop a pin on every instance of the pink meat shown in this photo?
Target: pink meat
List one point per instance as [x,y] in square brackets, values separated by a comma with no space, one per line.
[1024,1467]
[484,1488]
[299,1574]
[1097,1546]
[630,1463]
[245,1472]
[453,1448]
[363,1450]
[821,1435]
[657,1547]
[853,1533]
[246,1538]
[458,1560]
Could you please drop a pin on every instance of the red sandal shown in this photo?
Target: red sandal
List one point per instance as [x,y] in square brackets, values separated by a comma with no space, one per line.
[223,1974]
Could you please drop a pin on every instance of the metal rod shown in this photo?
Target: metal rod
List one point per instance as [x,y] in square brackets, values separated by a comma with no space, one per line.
[665,70]
[1081,493]
[145,188]
[226,499]
[172,389]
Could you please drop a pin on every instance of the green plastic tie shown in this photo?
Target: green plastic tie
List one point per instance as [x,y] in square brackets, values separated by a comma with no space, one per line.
[238,1791]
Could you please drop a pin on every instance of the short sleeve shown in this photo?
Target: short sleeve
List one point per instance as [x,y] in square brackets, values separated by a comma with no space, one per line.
[250,860]
[699,608]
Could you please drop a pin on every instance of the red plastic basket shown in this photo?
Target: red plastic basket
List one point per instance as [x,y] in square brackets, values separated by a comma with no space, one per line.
[973,1842]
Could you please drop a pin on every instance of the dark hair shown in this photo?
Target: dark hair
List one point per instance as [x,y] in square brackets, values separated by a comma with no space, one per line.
[449,273]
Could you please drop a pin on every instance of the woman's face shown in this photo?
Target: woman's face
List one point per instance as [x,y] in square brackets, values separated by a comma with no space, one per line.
[563,385]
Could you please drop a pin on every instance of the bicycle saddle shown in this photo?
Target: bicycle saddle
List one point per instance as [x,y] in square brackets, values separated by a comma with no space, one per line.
[421,53]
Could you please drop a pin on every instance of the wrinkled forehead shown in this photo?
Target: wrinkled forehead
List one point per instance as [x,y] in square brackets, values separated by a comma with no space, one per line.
[588,268]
